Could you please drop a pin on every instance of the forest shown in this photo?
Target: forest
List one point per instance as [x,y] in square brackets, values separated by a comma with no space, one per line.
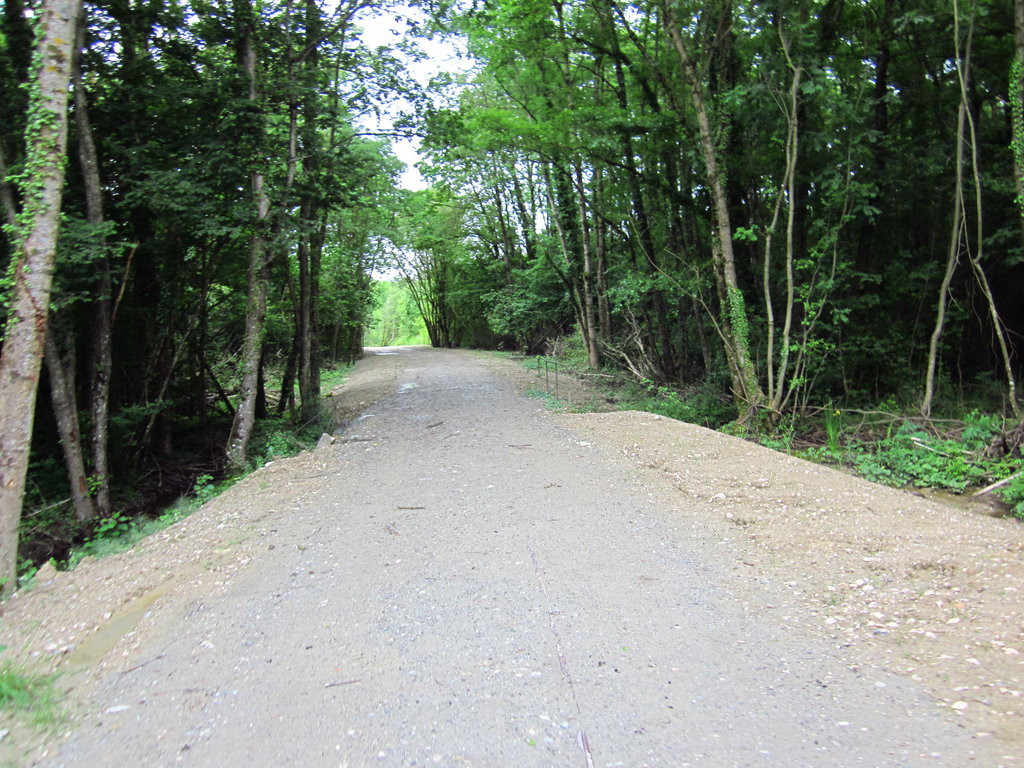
[781,207]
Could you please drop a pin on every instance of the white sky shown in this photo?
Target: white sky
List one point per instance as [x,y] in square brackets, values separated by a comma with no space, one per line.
[385,28]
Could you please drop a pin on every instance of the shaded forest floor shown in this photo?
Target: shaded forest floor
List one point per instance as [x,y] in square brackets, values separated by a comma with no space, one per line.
[922,588]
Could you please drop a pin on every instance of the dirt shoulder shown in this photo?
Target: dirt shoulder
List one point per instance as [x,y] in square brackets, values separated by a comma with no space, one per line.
[924,588]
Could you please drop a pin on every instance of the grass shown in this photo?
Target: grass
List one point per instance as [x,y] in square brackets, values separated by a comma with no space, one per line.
[551,402]
[334,378]
[29,698]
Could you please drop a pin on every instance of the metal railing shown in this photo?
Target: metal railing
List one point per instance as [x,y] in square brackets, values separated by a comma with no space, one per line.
[549,369]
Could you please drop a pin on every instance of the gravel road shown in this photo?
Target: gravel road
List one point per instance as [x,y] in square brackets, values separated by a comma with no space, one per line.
[465,582]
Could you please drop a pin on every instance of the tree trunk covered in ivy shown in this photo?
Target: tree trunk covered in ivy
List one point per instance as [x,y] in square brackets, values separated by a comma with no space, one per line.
[32,276]
[733,320]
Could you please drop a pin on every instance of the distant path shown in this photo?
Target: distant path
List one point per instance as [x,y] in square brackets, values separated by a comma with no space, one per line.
[468,585]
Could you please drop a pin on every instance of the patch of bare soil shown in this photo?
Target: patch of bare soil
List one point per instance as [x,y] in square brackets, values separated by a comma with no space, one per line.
[924,587]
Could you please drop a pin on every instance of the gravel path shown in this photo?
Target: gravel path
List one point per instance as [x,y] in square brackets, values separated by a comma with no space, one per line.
[462,581]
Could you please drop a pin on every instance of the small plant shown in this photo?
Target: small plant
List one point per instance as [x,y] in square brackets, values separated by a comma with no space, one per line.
[204,489]
[833,429]
[551,402]
[29,697]
[113,527]
[782,438]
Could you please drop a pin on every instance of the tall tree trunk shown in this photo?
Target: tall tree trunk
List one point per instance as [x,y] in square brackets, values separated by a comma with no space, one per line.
[102,350]
[61,372]
[1017,105]
[604,321]
[735,332]
[309,257]
[260,408]
[287,398]
[256,304]
[35,254]
[589,317]
[998,329]
[308,399]
[952,258]
[967,139]
[778,397]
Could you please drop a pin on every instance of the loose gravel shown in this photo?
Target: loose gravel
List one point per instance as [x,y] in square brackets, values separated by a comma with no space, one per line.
[463,578]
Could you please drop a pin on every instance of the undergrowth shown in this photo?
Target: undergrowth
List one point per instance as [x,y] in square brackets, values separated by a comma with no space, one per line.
[902,450]
[551,402]
[275,437]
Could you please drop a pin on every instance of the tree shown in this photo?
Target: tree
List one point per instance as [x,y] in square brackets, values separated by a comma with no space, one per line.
[259,260]
[32,274]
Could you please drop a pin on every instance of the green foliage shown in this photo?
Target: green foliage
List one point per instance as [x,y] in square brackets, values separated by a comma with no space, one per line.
[279,437]
[204,489]
[113,527]
[551,402]
[29,697]
[1017,118]
[702,404]
[395,320]
[833,428]
[907,454]
[903,452]
[667,402]
[1013,494]
[119,533]
[111,536]
[334,377]
[530,308]
[781,437]
[571,351]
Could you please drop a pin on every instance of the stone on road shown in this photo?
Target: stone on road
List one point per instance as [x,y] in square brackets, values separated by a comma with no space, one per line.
[469,584]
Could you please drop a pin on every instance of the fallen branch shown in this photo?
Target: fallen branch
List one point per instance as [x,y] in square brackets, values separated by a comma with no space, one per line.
[999,483]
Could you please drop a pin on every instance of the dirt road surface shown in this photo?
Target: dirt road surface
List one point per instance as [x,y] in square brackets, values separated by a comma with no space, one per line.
[465,579]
